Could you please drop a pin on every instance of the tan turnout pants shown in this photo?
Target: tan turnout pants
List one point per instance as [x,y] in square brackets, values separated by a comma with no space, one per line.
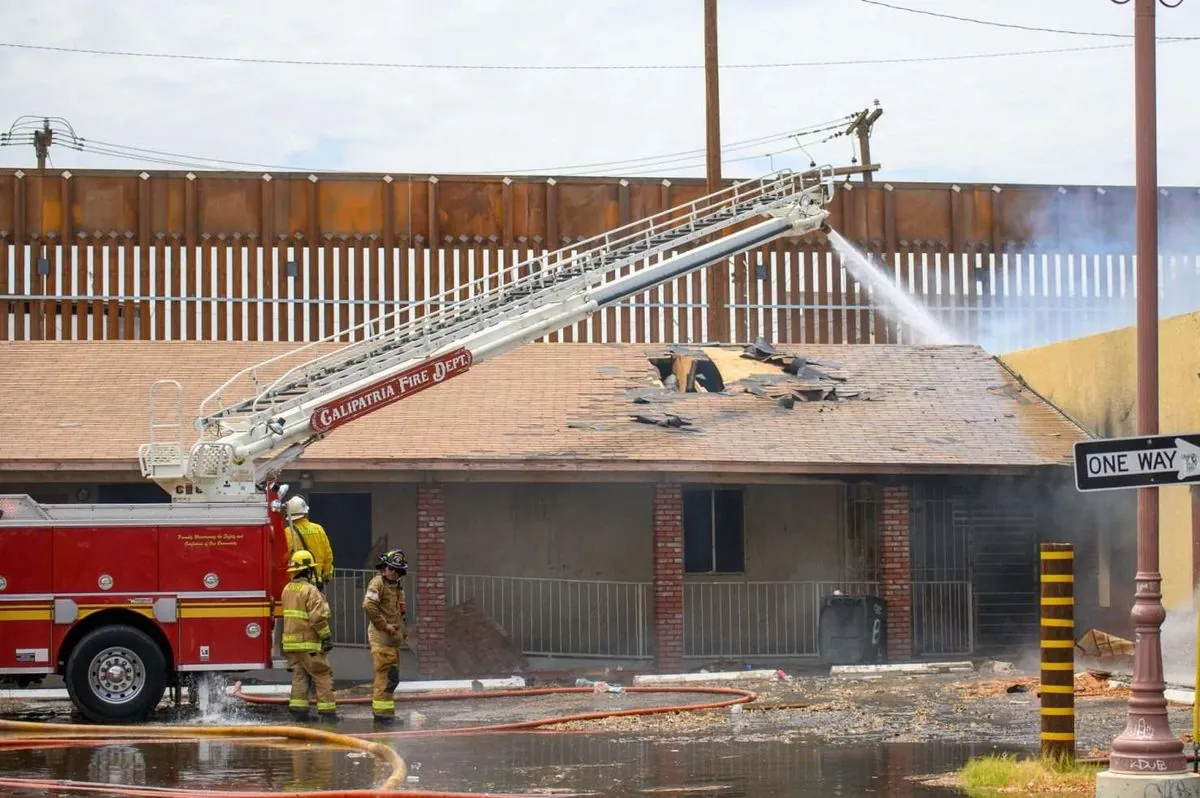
[385,660]
[311,668]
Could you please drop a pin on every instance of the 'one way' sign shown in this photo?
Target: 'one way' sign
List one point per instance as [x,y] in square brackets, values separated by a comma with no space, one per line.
[1119,463]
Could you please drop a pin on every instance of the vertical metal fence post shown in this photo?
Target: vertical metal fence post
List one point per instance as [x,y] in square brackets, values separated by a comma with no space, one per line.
[1058,651]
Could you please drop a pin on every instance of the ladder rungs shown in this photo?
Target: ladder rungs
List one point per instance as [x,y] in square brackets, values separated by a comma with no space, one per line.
[532,284]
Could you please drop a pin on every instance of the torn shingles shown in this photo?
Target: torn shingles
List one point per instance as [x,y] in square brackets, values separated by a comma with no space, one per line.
[669,420]
[645,396]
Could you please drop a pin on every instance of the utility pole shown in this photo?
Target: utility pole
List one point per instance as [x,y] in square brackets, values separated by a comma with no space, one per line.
[718,273]
[42,139]
[861,126]
[1146,751]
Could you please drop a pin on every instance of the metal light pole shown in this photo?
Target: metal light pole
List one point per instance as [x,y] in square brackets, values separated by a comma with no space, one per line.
[1146,747]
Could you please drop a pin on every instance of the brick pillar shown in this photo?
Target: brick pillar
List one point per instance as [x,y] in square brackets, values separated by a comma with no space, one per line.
[668,578]
[895,571]
[431,579]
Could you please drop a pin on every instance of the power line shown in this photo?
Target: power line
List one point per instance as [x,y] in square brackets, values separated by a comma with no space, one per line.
[1034,28]
[832,124]
[94,145]
[570,67]
[632,166]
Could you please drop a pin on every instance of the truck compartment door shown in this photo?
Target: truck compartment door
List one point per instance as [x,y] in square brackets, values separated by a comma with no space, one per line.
[219,574]
[26,608]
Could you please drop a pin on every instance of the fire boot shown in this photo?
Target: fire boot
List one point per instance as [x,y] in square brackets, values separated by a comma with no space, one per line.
[393,679]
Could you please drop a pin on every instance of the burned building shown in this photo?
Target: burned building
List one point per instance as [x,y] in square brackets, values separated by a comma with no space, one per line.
[628,502]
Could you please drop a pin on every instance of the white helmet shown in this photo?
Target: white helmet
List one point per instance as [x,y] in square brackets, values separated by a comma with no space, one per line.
[296,508]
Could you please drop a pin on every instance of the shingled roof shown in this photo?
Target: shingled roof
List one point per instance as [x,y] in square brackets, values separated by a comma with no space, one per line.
[82,406]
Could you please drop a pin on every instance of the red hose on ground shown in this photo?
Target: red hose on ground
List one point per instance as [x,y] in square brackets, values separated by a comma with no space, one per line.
[739,697]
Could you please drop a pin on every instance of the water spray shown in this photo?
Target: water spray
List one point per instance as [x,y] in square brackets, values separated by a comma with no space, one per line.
[902,307]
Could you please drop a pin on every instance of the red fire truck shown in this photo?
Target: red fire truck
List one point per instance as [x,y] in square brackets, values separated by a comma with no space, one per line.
[123,601]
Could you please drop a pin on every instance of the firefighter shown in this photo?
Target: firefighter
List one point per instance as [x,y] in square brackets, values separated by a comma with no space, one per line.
[387,612]
[307,640]
[307,535]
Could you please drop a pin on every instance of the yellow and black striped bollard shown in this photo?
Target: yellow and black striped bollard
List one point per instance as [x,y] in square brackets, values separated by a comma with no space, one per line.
[1058,651]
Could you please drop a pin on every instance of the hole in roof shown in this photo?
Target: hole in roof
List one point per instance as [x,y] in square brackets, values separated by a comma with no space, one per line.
[688,371]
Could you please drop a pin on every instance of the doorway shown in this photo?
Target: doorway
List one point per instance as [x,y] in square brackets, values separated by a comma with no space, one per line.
[346,517]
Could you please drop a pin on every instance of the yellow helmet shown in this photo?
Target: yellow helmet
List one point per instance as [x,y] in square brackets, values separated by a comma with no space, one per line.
[301,561]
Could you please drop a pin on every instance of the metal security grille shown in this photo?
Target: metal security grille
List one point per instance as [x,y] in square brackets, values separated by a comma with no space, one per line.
[1005,575]
[563,617]
[860,538]
[941,571]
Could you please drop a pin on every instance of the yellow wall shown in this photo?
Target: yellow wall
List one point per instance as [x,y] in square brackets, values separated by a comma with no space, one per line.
[1093,379]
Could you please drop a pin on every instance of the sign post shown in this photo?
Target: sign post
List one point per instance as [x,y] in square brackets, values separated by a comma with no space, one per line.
[1141,462]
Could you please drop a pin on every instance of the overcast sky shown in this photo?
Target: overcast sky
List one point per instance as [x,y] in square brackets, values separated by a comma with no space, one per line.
[1047,118]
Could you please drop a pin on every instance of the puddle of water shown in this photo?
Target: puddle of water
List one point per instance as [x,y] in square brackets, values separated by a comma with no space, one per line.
[760,766]
[209,765]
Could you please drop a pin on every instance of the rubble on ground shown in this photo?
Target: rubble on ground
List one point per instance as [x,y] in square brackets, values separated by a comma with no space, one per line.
[478,646]
[891,707]
[1087,685]
[1101,645]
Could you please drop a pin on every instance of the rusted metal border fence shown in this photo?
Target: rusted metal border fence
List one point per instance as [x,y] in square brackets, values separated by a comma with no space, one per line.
[221,255]
[785,295]
[1058,651]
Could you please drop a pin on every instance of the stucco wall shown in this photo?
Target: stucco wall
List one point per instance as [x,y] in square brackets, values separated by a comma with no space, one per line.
[394,518]
[563,530]
[1093,379]
[791,534]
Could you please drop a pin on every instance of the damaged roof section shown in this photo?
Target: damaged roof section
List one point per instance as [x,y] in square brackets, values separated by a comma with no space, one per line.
[760,369]
[570,406]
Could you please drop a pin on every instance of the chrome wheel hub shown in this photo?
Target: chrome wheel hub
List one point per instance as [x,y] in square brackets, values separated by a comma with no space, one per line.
[116,675]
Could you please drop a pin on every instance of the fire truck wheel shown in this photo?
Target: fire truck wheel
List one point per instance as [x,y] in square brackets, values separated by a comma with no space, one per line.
[116,674]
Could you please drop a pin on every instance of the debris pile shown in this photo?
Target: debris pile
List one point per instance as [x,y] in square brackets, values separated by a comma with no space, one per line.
[1087,685]
[801,378]
[683,370]
[1102,645]
[476,645]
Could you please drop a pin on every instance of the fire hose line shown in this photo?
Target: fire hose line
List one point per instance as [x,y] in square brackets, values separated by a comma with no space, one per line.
[738,696]
[78,734]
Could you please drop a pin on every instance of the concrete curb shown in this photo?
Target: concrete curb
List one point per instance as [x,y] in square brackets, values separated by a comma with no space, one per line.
[724,676]
[903,667]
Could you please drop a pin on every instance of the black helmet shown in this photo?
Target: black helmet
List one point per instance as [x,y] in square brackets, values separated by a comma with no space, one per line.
[394,558]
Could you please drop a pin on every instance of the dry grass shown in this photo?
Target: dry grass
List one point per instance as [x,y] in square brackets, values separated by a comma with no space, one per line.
[997,775]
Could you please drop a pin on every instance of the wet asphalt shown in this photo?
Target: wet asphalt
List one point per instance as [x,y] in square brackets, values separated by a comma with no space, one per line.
[808,736]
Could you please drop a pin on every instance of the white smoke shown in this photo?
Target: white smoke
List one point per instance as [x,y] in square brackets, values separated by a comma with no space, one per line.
[1179,645]
[1078,282]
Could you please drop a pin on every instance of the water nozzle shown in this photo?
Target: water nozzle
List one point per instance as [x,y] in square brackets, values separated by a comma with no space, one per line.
[825,228]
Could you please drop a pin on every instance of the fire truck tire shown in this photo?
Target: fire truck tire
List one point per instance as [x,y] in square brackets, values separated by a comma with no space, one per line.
[116,674]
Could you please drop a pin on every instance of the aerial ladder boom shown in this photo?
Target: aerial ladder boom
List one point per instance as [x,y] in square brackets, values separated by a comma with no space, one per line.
[279,407]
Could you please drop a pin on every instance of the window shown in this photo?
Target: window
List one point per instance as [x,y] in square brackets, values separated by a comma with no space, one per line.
[712,532]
